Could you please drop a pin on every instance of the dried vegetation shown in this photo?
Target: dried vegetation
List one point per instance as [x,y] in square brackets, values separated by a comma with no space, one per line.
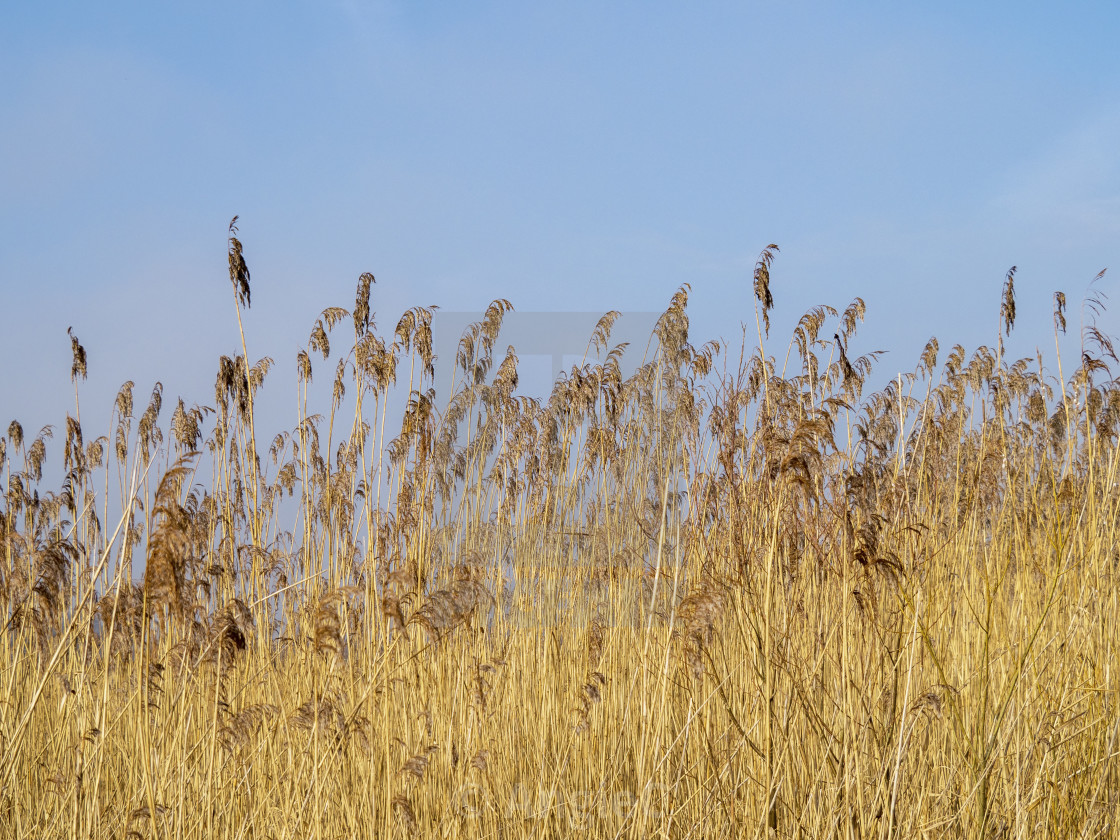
[726,595]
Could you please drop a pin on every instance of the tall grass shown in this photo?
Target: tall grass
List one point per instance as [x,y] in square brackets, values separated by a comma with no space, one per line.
[731,594]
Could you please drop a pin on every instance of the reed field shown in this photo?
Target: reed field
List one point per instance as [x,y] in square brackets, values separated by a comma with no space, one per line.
[735,593]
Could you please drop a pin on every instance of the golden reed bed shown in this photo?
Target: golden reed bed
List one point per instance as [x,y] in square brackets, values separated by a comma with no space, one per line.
[729,595]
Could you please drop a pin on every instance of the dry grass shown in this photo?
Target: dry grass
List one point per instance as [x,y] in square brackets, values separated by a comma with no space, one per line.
[724,596]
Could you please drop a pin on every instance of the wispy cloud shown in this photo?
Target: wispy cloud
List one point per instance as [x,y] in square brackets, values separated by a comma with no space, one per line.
[1072,187]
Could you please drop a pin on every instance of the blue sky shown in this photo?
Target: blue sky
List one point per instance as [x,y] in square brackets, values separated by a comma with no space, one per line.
[577,156]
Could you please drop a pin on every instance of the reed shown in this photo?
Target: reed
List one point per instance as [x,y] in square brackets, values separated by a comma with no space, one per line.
[731,594]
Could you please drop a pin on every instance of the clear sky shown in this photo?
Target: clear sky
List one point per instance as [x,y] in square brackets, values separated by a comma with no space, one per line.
[570,156]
